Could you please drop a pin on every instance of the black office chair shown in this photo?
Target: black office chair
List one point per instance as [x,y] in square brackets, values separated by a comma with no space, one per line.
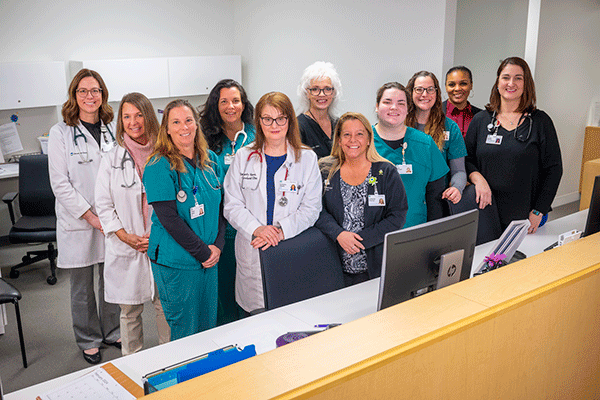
[10,294]
[38,220]
[488,227]
[299,268]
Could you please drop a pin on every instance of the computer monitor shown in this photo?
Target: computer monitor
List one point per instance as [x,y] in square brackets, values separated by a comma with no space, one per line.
[411,256]
[593,219]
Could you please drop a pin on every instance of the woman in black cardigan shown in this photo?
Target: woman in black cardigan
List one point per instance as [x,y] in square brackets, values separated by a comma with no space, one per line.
[363,199]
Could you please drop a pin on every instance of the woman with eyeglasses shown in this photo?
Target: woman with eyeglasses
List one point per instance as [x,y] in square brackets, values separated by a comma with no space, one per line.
[227,123]
[363,199]
[188,229]
[75,148]
[415,154]
[426,114]
[272,193]
[513,151]
[459,83]
[125,216]
[319,90]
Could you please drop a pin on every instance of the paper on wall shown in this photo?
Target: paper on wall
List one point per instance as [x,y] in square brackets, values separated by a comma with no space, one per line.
[10,142]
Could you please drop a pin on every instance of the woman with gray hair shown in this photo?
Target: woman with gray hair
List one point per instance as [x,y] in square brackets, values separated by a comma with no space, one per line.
[319,90]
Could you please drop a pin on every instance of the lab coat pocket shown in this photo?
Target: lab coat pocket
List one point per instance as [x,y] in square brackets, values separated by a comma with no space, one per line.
[117,247]
[69,223]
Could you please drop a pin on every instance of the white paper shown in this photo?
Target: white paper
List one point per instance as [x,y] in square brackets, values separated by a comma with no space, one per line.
[97,385]
[9,139]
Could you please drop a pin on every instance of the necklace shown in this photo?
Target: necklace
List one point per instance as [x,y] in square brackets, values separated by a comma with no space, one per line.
[512,123]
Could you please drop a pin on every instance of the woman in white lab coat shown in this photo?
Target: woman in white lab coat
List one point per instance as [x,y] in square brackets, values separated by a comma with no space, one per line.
[75,149]
[124,213]
[262,212]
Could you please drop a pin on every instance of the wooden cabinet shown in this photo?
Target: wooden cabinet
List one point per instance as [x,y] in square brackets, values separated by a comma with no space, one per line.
[27,85]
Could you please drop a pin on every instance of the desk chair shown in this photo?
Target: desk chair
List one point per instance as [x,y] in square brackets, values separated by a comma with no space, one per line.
[10,294]
[299,268]
[488,227]
[38,220]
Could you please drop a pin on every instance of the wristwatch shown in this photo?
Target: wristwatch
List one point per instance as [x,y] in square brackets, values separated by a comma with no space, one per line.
[535,212]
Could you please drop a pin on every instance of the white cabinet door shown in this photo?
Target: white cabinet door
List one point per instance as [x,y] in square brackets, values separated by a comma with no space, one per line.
[26,85]
[192,76]
[148,76]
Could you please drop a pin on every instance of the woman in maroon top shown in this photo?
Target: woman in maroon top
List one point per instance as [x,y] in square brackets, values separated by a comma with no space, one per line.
[459,83]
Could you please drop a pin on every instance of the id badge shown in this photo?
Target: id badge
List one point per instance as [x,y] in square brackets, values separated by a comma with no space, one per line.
[446,135]
[229,159]
[405,169]
[197,211]
[288,186]
[494,139]
[377,200]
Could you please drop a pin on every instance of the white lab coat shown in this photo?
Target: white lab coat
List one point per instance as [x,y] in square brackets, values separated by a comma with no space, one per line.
[73,181]
[246,209]
[127,272]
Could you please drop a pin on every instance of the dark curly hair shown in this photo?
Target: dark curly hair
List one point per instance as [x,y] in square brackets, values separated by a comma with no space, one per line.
[211,122]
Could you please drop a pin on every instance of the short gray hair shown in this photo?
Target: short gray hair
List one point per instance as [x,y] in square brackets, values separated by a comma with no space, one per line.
[319,70]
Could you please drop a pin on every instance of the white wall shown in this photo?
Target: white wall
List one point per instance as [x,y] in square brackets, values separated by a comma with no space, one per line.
[114,29]
[370,43]
[568,77]
[488,31]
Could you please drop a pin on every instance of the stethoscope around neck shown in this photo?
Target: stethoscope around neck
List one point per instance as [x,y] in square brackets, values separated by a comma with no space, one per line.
[495,124]
[127,158]
[105,144]
[182,196]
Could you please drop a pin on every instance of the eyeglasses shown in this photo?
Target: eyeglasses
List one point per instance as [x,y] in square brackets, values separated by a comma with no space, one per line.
[84,92]
[315,91]
[268,121]
[420,90]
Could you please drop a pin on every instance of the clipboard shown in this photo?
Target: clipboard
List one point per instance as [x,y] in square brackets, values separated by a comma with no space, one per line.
[122,379]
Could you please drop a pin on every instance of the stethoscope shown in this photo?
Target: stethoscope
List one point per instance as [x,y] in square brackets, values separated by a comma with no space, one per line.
[495,124]
[182,196]
[283,200]
[127,158]
[260,160]
[105,145]
[235,138]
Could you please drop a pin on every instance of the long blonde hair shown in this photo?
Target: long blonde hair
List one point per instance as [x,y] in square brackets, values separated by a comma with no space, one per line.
[166,148]
[337,158]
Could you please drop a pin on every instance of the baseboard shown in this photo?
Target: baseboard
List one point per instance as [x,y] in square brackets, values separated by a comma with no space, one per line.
[566,199]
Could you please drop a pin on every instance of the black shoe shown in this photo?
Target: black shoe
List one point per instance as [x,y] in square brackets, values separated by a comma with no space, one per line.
[93,358]
[116,344]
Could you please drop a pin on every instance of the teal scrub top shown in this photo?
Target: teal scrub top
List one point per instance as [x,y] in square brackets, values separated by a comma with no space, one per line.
[428,165]
[250,132]
[455,146]
[162,184]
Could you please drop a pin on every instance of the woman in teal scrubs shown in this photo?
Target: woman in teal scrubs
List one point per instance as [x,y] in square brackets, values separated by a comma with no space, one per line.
[415,154]
[226,121]
[187,235]
[427,115]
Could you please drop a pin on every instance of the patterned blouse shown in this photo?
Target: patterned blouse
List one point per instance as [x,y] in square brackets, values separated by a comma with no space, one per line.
[354,198]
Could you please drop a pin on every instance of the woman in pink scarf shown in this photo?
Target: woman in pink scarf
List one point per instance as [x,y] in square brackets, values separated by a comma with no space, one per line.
[124,213]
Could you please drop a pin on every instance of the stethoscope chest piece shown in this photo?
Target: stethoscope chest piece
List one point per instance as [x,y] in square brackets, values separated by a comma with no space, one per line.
[283,201]
[181,196]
